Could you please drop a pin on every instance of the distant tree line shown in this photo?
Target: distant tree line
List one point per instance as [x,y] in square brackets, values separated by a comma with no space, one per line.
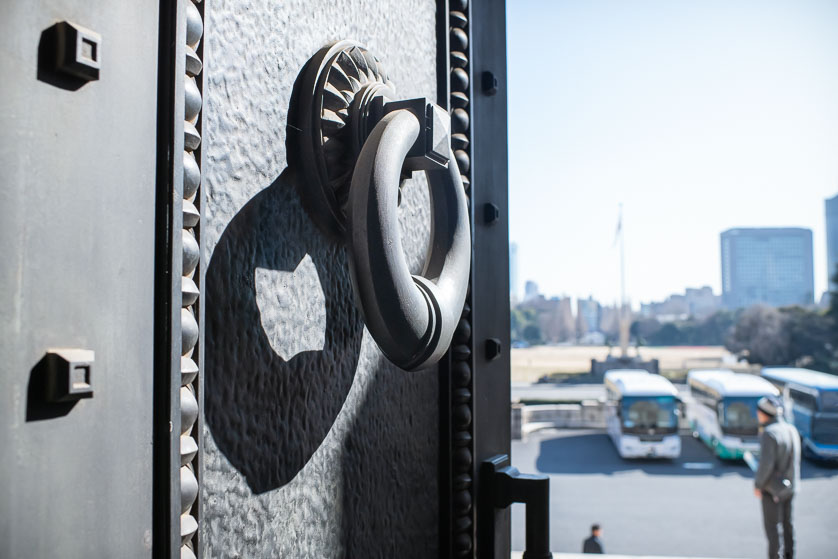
[791,336]
[768,336]
[524,325]
[712,330]
[762,335]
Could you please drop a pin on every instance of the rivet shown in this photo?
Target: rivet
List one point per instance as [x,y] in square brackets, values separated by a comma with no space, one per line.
[491,213]
[462,416]
[191,175]
[188,488]
[191,253]
[192,99]
[462,502]
[459,80]
[188,449]
[188,331]
[191,137]
[188,410]
[459,121]
[493,348]
[189,291]
[459,39]
[194,25]
[459,59]
[188,527]
[457,19]
[188,370]
[463,161]
[459,141]
[193,63]
[488,83]
[191,215]
[459,100]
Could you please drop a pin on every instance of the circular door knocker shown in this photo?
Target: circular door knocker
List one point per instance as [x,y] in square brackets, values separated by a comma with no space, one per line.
[350,144]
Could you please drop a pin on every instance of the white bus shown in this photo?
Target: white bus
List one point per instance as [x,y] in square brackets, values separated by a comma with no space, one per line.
[723,410]
[642,414]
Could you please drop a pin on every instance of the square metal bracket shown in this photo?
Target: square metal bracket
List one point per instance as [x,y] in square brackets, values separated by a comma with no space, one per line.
[69,375]
[78,51]
[432,148]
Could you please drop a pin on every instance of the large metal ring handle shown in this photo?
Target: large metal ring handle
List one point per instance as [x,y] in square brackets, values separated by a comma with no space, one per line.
[412,318]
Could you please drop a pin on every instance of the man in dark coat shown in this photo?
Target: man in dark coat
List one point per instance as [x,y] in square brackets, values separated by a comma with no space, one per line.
[593,544]
[778,475]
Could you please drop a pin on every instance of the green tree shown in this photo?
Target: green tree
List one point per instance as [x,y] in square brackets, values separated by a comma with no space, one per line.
[532,334]
[524,325]
[811,339]
[761,336]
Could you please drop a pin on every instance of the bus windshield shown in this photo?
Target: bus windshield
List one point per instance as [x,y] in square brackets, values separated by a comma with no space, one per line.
[649,414]
[740,416]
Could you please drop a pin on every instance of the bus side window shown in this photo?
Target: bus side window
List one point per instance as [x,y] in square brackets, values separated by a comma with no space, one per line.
[801,399]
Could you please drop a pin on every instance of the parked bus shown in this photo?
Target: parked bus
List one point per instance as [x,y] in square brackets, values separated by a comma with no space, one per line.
[723,410]
[811,401]
[642,414]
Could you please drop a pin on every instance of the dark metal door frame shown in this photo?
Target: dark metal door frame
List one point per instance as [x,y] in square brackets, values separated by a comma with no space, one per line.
[474,380]
[179,314]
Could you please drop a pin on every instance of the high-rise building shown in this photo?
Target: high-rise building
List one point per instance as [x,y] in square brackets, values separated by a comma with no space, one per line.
[587,315]
[695,302]
[832,241]
[530,290]
[772,266]
[513,273]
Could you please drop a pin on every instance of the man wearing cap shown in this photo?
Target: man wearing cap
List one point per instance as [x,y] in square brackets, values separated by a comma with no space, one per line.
[778,474]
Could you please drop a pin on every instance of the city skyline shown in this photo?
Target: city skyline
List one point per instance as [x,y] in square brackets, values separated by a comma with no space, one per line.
[696,117]
[637,306]
[518,290]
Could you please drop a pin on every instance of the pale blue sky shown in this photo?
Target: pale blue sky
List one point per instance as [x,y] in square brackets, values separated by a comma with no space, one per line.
[697,115]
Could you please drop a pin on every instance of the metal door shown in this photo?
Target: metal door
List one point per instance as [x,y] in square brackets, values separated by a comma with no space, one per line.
[314,444]
[78,153]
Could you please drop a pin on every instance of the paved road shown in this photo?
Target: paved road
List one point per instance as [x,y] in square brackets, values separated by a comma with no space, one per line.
[566,392]
[695,505]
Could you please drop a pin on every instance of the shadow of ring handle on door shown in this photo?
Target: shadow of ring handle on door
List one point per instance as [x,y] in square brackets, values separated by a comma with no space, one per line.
[351,146]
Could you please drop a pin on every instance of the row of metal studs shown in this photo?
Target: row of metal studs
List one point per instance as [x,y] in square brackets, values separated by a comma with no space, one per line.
[190,329]
[461,358]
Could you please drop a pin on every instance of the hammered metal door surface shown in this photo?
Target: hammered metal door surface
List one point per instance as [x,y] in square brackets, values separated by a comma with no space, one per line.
[77,207]
[315,445]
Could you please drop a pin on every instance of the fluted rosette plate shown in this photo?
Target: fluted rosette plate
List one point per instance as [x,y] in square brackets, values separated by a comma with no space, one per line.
[326,127]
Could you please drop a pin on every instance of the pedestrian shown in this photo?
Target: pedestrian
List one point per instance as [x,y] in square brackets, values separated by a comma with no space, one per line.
[593,544]
[778,474]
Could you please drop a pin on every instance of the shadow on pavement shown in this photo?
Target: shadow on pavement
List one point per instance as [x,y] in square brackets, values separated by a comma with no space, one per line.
[594,453]
[815,469]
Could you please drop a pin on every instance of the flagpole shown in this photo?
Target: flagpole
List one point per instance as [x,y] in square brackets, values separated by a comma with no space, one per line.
[622,260]
[624,327]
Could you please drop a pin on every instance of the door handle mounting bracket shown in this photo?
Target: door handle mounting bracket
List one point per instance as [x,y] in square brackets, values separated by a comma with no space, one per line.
[350,145]
[501,485]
